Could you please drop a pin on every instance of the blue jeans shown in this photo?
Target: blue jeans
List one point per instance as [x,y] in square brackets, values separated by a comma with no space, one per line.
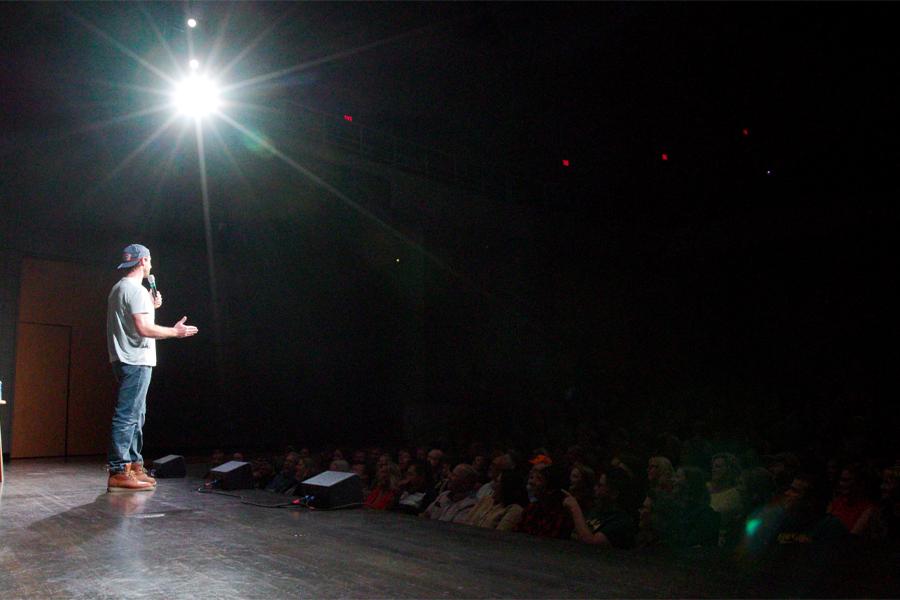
[128,420]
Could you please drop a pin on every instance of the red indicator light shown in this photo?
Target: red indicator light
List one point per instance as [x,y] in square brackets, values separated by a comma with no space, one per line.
[565,162]
[745,132]
[348,118]
[664,156]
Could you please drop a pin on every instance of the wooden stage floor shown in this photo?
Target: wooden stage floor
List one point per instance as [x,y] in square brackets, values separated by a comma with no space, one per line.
[62,536]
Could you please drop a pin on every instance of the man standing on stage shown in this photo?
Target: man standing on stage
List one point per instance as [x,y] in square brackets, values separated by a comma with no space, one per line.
[131,336]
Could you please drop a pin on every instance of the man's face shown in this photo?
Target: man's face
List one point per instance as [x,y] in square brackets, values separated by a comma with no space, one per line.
[575,477]
[146,263]
[434,458]
[718,470]
[536,481]
[300,471]
[459,481]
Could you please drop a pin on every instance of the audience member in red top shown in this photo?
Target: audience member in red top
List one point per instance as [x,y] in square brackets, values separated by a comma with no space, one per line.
[850,504]
[386,490]
[546,516]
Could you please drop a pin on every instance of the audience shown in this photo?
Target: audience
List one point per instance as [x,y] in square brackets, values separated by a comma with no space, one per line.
[771,507]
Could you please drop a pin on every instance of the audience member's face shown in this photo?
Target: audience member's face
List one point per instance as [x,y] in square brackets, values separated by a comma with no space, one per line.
[404,458]
[337,455]
[334,466]
[480,463]
[652,472]
[794,495]
[719,470]
[644,513]
[300,471]
[434,458]
[359,456]
[360,469]
[383,461]
[384,475]
[575,477]
[289,465]
[415,481]
[421,453]
[238,456]
[889,485]
[601,490]
[846,483]
[678,480]
[537,481]
[218,457]
[460,481]
[304,452]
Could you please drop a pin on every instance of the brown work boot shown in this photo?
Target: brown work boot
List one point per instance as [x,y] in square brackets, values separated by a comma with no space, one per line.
[126,482]
[141,475]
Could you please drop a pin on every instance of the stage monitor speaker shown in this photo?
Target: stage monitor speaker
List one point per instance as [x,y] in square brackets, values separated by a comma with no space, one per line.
[169,466]
[333,489]
[233,475]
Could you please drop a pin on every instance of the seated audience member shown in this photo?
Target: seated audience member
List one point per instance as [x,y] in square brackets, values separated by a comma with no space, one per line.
[359,457]
[648,534]
[546,516]
[606,524]
[215,460]
[889,505]
[458,499]
[306,468]
[756,487]
[581,485]
[541,461]
[437,475]
[805,519]
[362,471]
[502,509]
[783,467]
[500,464]
[404,458]
[659,474]
[284,480]
[386,490]
[724,497]
[850,504]
[685,519]
[413,487]
[263,472]
[339,464]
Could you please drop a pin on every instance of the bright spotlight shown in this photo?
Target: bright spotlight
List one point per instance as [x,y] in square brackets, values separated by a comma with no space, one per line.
[195,64]
[196,96]
[192,23]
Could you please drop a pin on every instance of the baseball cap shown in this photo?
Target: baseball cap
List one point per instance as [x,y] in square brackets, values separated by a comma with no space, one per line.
[132,254]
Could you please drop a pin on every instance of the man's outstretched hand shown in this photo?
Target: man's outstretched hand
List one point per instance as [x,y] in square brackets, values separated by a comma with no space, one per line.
[182,330]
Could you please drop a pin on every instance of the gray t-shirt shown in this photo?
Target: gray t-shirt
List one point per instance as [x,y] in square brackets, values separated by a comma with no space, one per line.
[125,344]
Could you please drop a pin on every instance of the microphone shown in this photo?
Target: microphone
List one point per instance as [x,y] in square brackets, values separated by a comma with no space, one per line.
[152,281]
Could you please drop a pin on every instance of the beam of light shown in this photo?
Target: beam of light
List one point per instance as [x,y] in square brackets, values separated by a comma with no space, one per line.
[129,86]
[253,43]
[131,156]
[196,96]
[213,287]
[119,46]
[340,195]
[109,122]
[331,57]
[213,55]
[162,40]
